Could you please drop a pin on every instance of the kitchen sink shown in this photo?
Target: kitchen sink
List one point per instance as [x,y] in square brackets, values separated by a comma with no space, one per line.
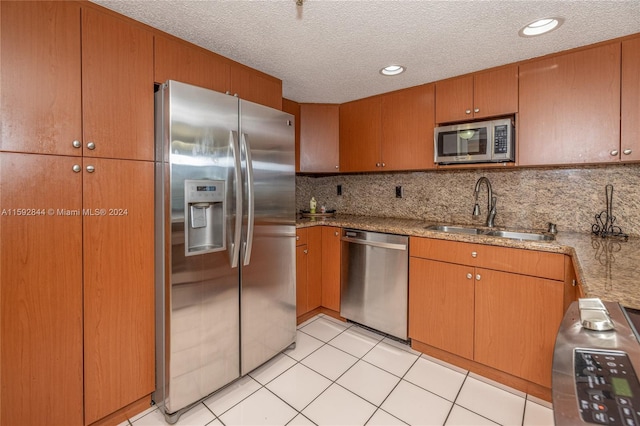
[529,236]
[522,236]
[454,229]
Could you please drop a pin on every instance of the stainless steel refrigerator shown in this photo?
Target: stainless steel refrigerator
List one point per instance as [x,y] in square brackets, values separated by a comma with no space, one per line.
[225,241]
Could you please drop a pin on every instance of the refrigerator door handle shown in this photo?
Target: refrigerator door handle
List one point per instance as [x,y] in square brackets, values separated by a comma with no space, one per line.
[250,199]
[234,245]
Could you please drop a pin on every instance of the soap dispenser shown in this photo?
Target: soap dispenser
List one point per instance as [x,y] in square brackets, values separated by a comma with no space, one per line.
[312,205]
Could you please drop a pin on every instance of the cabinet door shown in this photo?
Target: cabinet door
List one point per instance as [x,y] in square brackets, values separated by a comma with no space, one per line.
[118,285]
[319,138]
[360,135]
[302,256]
[570,108]
[331,267]
[517,318]
[315,271]
[441,299]
[495,92]
[41,101]
[630,111]
[255,86]
[41,290]
[454,99]
[408,121]
[176,60]
[117,87]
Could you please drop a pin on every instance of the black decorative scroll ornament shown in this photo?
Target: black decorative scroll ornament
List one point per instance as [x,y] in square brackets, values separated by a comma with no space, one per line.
[604,226]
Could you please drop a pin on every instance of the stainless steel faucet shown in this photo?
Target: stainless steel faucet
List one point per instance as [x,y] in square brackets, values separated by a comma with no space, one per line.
[491,202]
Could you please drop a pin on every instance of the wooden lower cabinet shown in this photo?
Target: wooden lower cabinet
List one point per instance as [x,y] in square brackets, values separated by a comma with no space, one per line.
[76,288]
[516,321]
[441,302]
[503,320]
[302,256]
[119,352]
[331,267]
[40,291]
[308,270]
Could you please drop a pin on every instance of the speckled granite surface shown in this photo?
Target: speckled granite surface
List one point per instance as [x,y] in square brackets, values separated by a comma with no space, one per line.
[607,268]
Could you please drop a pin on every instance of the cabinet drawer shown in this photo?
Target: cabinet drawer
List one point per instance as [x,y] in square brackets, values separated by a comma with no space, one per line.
[519,261]
[301,236]
[445,251]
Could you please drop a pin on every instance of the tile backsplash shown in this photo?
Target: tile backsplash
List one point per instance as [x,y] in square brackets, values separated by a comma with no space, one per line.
[527,198]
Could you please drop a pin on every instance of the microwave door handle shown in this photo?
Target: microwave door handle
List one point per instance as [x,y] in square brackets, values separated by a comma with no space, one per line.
[234,245]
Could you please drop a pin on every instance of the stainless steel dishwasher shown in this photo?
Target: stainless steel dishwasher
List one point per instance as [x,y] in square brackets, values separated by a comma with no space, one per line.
[374,280]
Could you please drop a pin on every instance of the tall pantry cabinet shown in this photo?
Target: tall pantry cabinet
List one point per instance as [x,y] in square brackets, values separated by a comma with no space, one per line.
[76,234]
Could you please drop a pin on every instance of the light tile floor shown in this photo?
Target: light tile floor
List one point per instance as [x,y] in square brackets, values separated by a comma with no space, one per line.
[343,374]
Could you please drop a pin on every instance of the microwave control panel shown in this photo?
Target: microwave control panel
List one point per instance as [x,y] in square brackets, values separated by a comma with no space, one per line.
[607,387]
[500,139]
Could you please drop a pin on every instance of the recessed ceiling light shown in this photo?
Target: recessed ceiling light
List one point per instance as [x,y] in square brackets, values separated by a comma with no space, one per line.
[392,70]
[540,26]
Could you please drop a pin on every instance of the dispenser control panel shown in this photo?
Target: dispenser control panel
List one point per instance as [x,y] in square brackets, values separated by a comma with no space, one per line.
[204,216]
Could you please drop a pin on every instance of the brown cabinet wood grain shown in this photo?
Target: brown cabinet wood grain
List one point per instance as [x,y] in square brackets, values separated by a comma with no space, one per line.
[319,138]
[40,85]
[255,86]
[293,108]
[407,129]
[569,108]
[484,94]
[331,267]
[302,258]
[441,305]
[119,351]
[316,269]
[630,106]
[308,270]
[41,290]
[517,318]
[181,61]
[360,135]
[117,88]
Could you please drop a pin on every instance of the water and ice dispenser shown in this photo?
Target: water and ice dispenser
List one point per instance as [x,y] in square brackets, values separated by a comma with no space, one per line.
[204,216]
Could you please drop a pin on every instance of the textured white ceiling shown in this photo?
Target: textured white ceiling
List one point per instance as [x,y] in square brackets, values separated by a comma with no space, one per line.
[331,51]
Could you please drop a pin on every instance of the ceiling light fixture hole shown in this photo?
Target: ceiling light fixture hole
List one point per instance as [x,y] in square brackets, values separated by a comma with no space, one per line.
[392,70]
[540,26]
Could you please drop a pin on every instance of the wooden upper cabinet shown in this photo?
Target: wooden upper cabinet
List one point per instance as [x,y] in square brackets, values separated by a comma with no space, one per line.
[293,108]
[630,109]
[570,108]
[177,60]
[484,94]
[117,87]
[319,138]
[407,128]
[360,135]
[256,86]
[40,77]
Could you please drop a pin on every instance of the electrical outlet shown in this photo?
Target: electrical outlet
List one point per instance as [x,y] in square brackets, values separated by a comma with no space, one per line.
[339,189]
[399,192]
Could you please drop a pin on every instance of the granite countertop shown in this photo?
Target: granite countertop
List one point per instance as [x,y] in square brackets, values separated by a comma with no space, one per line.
[606,267]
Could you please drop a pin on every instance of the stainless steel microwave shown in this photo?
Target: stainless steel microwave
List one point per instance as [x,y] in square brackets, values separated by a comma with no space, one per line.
[479,142]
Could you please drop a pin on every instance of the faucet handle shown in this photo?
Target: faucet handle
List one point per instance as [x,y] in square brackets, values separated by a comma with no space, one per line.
[494,201]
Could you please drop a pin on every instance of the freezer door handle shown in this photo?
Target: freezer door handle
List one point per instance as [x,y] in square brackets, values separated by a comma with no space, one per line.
[250,200]
[234,245]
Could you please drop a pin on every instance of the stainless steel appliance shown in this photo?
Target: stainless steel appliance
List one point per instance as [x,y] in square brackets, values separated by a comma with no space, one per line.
[595,367]
[479,142]
[225,241]
[374,280]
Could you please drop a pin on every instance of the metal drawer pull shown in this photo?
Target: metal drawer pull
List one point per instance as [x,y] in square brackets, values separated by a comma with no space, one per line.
[474,254]
[91,169]
[478,277]
[469,276]
[76,168]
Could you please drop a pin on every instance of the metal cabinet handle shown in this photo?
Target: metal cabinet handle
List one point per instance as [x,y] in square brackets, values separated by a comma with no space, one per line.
[573,283]
[614,152]
[478,277]
[377,164]
[476,110]
[336,233]
[305,251]
[626,152]
[297,237]
[76,144]
[383,165]
[474,254]
[91,169]
[91,146]
[468,111]
[336,167]
[76,168]
[469,276]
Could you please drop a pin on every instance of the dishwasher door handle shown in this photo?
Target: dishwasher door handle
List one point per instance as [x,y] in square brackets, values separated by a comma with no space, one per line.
[391,246]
